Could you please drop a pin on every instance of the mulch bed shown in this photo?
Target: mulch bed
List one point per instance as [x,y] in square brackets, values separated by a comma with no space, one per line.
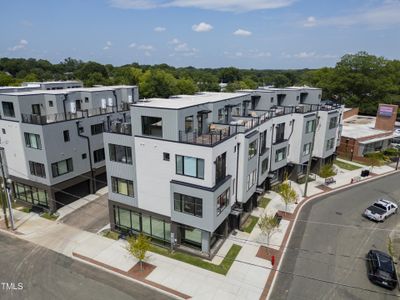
[137,272]
[267,253]
[285,215]
[324,188]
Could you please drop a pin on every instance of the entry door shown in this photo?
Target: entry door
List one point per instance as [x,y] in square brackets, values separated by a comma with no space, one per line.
[36,109]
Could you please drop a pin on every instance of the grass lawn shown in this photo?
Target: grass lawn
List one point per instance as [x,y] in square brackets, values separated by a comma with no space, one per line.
[264,202]
[249,224]
[346,166]
[302,180]
[49,216]
[222,268]
[111,235]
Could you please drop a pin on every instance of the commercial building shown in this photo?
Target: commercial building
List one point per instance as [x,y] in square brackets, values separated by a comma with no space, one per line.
[365,134]
[53,139]
[191,167]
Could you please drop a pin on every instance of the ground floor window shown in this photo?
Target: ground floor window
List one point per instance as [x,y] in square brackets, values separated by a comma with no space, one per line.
[30,194]
[191,236]
[127,220]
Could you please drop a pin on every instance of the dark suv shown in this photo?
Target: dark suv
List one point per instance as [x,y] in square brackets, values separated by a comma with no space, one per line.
[381,270]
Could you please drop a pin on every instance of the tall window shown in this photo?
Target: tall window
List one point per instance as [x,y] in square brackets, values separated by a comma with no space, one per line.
[280,133]
[252,149]
[333,122]
[223,201]
[122,186]
[251,179]
[33,140]
[8,109]
[263,142]
[152,126]
[189,124]
[62,167]
[310,126]
[37,169]
[98,155]
[306,149]
[66,135]
[280,154]
[330,143]
[220,114]
[264,165]
[188,205]
[190,166]
[97,128]
[220,168]
[122,154]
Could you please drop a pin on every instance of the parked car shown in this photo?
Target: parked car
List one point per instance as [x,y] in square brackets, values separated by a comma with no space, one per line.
[381,269]
[381,210]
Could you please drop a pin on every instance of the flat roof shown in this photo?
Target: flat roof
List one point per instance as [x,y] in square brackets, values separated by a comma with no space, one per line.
[71,90]
[182,101]
[360,126]
[382,138]
[52,82]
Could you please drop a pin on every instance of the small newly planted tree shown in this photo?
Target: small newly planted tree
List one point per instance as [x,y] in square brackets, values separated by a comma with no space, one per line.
[327,171]
[288,194]
[268,225]
[138,247]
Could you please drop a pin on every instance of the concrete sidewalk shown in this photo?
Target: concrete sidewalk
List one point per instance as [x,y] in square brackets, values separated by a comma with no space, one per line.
[248,278]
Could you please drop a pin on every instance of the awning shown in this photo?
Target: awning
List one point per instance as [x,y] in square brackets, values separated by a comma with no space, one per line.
[203,112]
[383,138]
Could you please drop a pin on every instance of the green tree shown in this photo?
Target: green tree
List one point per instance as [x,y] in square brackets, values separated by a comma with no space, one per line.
[268,225]
[6,79]
[138,247]
[287,193]
[157,83]
[186,86]
[326,171]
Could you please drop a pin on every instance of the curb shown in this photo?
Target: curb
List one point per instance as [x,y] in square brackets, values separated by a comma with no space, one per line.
[272,276]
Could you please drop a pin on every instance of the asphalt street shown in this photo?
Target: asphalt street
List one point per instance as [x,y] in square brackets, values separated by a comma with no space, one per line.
[43,274]
[325,257]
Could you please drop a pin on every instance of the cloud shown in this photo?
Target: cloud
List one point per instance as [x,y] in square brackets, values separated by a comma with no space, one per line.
[132,45]
[202,27]
[383,15]
[218,5]
[308,55]
[146,48]
[107,46]
[251,54]
[182,48]
[242,32]
[21,45]
[160,29]
[310,22]
[174,41]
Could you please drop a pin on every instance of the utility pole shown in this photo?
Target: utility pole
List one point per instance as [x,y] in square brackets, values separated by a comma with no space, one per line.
[311,152]
[398,157]
[4,203]
[6,188]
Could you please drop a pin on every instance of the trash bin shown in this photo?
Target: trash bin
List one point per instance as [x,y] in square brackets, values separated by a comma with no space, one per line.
[364,173]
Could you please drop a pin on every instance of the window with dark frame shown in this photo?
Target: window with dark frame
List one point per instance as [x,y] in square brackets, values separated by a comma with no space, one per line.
[333,122]
[252,149]
[84,155]
[264,165]
[86,99]
[280,154]
[97,128]
[310,126]
[122,186]
[119,153]
[190,166]
[188,205]
[99,155]
[37,169]
[188,124]
[165,156]
[32,140]
[62,167]
[66,135]
[223,201]
[51,103]
[152,126]
[8,109]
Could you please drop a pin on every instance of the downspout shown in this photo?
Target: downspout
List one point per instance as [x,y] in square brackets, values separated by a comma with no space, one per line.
[65,109]
[116,99]
[237,172]
[270,154]
[92,179]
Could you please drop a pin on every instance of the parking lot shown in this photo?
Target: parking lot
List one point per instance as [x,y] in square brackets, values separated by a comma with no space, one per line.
[325,258]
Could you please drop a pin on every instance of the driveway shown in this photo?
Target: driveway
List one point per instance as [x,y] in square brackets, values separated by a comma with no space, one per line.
[325,256]
[90,217]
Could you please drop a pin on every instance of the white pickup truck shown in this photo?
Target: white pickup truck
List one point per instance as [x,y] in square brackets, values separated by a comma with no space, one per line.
[381,210]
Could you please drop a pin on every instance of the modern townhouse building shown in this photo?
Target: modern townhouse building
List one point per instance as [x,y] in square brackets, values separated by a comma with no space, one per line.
[53,140]
[46,85]
[191,168]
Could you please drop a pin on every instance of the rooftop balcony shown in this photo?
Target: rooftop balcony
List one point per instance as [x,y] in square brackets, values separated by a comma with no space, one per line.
[217,133]
[124,128]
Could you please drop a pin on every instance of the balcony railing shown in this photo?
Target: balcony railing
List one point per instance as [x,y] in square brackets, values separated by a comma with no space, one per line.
[211,138]
[120,128]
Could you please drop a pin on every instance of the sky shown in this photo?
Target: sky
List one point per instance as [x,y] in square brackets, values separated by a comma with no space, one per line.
[259,34]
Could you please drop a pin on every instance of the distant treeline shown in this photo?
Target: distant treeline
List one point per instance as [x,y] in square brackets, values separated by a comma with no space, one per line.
[360,79]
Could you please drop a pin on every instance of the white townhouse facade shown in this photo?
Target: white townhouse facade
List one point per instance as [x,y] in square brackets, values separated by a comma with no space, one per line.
[53,139]
[192,166]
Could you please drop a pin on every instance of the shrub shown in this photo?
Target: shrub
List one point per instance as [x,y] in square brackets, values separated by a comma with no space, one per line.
[327,171]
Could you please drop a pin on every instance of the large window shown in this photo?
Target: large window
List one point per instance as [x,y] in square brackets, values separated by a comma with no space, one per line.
[189,124]
[252,149]
[97,128]
[190,166]
[330,143]
[98,155]
[122,186]
[280,154]
[306,149]
[310,126]
[37,169]
[280,133]
[62,167]
[251,179]
[188,205]
[122,154]
[220,168]
[30,194]
[149,225]
[263,142]
[152,126]
[32,140]
[333,122]
[264,165]
[66,135]
[223,201]
[8,109]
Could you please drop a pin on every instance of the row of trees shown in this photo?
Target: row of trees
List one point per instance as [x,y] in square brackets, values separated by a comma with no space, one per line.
[360,79]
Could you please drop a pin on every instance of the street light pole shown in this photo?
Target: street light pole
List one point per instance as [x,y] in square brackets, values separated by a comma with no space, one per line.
[311,152]
[4,203]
